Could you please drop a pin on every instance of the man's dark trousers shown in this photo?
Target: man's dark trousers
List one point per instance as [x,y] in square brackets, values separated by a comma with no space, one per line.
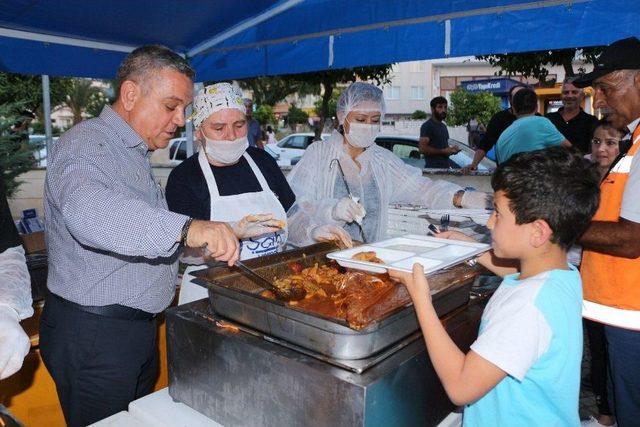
[624,361]
[99,364]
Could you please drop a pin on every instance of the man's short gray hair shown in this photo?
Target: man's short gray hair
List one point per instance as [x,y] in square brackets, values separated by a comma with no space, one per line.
[142,61]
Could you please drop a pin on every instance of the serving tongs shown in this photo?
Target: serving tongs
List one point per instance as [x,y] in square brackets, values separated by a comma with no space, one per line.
[351,196]
[291,294]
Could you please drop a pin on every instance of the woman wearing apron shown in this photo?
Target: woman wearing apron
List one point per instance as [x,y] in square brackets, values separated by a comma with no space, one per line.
[231,182]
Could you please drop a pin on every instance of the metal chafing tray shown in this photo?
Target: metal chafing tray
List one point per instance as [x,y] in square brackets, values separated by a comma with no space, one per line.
[236,297]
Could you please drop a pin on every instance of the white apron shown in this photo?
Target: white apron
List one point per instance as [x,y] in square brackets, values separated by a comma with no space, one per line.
[234,208]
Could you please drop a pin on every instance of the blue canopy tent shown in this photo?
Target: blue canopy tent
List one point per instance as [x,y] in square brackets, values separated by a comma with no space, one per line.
[233,39]
[228,39]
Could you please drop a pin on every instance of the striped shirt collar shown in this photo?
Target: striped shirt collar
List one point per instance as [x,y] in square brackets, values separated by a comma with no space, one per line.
[129,136]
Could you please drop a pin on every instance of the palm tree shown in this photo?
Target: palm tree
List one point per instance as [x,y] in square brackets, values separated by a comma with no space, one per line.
[80,96]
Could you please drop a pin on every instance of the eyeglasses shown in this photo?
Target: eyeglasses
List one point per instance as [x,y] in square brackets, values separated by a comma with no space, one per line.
[607,142]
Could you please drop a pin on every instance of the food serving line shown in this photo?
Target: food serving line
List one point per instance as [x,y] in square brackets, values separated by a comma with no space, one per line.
[244,358]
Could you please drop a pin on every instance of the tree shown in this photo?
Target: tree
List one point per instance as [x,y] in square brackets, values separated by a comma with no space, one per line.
[97,101]
[465,105]
[296,116]
[419,115]
[26,91]
[264,115]
[269,90]
[328,79]
[80,96]
[38,128]
[536,64]
[332,107]
[101,98]
[273,89]
[16,154]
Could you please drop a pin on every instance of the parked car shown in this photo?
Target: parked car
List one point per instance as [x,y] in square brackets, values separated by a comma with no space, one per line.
[406,147]
[290,149]
[177,151]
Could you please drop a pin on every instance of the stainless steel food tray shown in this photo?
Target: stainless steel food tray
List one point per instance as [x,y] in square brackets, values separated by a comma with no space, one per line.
[236,297]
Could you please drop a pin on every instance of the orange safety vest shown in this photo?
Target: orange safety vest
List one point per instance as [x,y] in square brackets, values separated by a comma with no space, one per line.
[610,280]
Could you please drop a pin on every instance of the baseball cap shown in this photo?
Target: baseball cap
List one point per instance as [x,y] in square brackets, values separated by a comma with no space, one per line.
[619,55]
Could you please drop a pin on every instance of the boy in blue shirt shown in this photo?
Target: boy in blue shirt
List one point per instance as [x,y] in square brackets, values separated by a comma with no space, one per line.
[524,368]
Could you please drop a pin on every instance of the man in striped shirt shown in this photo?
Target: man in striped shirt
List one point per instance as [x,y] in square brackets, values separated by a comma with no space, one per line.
[112,243]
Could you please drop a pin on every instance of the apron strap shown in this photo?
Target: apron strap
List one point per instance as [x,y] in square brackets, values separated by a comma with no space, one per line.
[208,175]
[256,171]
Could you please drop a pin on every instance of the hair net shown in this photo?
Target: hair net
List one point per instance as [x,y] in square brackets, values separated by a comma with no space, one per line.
[362,97]
[214,98]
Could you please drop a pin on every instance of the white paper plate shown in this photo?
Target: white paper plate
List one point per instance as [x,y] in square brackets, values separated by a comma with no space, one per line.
[400,253]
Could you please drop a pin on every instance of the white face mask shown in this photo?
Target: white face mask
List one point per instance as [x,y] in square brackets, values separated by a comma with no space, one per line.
[362,135]
[226,152]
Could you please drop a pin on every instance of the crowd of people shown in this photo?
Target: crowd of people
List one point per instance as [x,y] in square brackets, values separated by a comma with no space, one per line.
[114,240]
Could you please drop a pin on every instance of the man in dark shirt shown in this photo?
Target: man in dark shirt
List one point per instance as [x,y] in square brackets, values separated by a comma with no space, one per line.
[434,137]
[254,133]
[498,123]
[571,120]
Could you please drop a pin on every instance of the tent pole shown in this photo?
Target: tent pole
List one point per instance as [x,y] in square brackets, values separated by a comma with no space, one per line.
[188,127]
[46,108]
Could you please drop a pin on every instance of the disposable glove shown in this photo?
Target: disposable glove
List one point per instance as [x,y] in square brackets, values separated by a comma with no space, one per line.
[14,343]
[348,210]
[477,200]
[256,225]
[332,233]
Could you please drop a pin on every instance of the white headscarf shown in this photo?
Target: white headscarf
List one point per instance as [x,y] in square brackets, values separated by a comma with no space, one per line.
[214,98]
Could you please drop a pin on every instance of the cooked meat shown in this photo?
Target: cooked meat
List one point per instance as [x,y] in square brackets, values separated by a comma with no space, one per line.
[368,256]
[296,267]
[354,296]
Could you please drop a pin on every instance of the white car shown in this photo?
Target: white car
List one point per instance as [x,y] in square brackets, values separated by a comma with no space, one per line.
[290,149]
[177,151]
[406,147]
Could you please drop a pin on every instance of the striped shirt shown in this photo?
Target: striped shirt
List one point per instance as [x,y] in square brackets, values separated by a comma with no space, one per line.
[110,237]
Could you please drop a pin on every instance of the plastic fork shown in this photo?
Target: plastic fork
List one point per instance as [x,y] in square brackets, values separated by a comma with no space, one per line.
[444,222]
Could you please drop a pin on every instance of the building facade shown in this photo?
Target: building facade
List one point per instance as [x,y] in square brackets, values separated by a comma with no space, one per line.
[413,84]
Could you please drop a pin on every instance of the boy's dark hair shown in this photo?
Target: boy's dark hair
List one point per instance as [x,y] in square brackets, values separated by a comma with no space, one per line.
[525,101]
[437,101]
[556,185]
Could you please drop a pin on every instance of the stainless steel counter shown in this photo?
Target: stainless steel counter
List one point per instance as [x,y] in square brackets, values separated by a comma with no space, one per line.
[238,378]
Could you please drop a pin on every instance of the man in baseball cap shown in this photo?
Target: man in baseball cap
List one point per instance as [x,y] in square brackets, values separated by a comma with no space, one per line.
[611,260]
[613,80]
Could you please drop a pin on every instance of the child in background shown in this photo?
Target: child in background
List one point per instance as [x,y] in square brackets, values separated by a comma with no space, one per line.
[606,145]
[524,368]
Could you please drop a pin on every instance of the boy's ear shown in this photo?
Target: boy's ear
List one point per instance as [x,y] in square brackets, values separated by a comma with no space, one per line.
[541,233]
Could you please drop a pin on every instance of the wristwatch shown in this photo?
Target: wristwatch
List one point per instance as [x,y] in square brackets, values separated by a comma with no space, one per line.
[185,231]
